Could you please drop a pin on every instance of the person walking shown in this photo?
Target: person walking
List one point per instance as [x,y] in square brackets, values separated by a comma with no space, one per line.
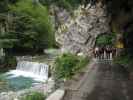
[108,50]
[96,52]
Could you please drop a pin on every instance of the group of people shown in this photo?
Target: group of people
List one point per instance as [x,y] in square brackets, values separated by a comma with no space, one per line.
[106,52]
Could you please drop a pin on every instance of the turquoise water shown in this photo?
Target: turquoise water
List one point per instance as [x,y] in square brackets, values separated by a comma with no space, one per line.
[8,83]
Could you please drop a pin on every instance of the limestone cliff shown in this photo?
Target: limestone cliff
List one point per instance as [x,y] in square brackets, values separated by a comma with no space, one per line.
[78,33]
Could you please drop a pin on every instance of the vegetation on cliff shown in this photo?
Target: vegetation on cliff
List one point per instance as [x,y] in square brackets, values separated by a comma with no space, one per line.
[106,39]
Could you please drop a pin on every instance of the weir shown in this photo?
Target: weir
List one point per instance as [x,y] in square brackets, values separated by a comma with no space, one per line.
[38,71]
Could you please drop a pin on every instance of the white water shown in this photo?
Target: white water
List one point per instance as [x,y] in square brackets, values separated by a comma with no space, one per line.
[35,70]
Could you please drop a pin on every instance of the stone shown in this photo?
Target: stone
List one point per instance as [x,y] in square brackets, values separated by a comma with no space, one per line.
[57,95]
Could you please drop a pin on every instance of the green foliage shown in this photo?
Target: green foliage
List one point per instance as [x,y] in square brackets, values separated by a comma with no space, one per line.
[68,64]
[67,4]
[32,25]
[10,62]
[34,96]
[7,43]
[103,40]
[4,6]
[123,59]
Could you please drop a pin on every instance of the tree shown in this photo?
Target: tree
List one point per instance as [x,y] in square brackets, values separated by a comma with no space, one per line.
[32,25]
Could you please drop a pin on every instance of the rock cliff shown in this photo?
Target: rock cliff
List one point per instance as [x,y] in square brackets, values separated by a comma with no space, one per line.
[77,33]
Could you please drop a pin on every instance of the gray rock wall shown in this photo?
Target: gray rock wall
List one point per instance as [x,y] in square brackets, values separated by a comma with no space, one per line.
[78,33]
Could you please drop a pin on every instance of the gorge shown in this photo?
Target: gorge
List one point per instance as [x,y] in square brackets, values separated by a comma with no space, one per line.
[72,29]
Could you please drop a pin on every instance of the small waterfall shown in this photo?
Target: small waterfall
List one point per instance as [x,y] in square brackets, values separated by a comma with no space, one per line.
[38,71]
[33,67]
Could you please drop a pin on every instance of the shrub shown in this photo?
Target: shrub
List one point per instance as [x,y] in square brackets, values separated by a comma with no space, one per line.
[7,63]
[103,40]
[10,62]
[68,64]
[125,60]
[122,60]
[34,96]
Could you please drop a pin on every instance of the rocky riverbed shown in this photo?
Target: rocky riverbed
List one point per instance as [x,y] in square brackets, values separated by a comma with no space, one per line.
[45,88]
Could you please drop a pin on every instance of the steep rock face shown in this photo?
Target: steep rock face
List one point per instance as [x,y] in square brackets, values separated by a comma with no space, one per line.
[78,33]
